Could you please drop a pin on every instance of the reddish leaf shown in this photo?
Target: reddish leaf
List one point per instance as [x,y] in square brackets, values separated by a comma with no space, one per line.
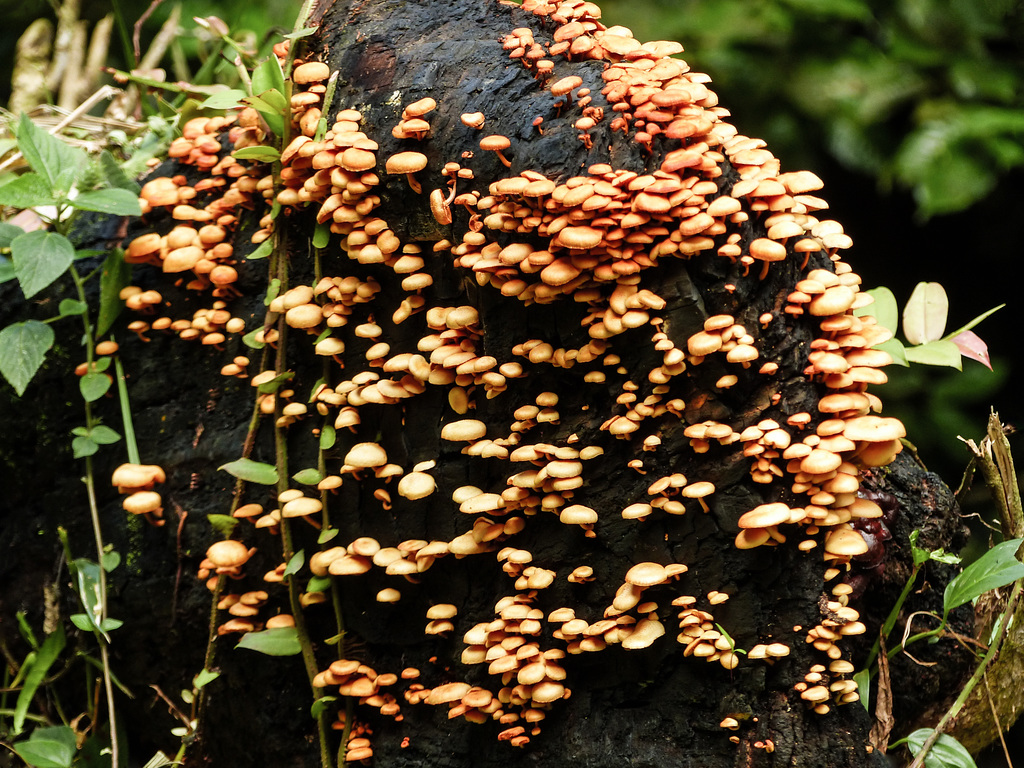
[973,348]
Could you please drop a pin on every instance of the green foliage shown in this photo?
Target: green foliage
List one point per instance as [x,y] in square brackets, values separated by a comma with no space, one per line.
[947,752]
[23,347]
[280,641]
[295,563]
[40,664]
[251,471]
[223,524]
[996,568]
[924,321]
[923,94]
[308,476]
[51,747]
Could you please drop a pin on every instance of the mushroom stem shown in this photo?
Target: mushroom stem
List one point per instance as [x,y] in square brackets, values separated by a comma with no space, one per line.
[413,184]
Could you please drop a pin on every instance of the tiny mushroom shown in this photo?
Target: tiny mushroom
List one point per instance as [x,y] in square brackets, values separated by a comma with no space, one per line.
[408,163]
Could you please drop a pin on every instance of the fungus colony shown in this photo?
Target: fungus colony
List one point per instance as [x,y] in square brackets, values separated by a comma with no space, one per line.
[530,240]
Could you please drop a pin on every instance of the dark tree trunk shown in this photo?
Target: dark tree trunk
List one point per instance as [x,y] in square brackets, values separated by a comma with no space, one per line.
[655,706]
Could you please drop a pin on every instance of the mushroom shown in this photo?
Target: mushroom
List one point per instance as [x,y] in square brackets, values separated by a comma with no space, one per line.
[496,143]
[408,163]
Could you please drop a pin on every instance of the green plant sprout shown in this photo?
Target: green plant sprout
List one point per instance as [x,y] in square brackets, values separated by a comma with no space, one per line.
[924,324]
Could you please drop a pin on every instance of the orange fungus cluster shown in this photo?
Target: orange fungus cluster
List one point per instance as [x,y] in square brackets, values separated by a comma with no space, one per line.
[591,239]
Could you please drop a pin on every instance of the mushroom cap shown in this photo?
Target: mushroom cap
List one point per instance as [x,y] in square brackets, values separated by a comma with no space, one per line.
[765,515]
[311,72]
[495,143]
[416,485]
[844,541]
[406,162]
[228,553]
[142,502]
[645,633]
[365,455]
[137,475]
[577,514]
[464,429]
[874,429]
[646,574]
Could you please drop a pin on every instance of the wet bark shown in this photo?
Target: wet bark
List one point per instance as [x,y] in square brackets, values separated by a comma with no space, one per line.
[648,707]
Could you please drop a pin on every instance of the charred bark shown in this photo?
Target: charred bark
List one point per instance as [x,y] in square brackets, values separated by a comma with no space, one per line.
[654,706]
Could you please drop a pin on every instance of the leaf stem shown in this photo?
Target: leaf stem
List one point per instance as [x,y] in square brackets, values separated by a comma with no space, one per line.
[979,673]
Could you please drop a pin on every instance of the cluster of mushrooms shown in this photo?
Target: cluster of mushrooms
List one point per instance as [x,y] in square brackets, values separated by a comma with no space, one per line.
[587,239]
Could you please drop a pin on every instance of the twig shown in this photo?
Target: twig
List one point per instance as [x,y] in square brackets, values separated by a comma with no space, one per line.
[105,92]
[979,673]
[137,29]
[999,725]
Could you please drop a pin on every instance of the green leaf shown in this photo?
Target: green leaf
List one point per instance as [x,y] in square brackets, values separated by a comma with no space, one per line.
[251,471]
[996,568]
[223,524]
[83,446]
[115,175]
[40,257]
[269,387]
[946,752]
[326,535]
[304,32]
[328,435]
[87,575]
[268,76]
[23,347]
[114,276]
[58,163]
[322,235]
[883,308]
[320,705]
[261,154]
[308,476]
[94,386]
[318,583]
[280,641]
[6,270]
[104,435]
[204,678]
[272,106]
[273,291]
[262,250]
[863,681]
[119,202]
[250,339]
[51,747]
[8,232]
[26,191]
[952,335]
[936,353]
[48,653]
[109,625]
[924,317]
[69,307]
[82,621]
[110,561]
[896,351]
[228,99]
[295,563]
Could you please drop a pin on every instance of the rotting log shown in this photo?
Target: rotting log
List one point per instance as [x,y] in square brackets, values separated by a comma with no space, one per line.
[607,330]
